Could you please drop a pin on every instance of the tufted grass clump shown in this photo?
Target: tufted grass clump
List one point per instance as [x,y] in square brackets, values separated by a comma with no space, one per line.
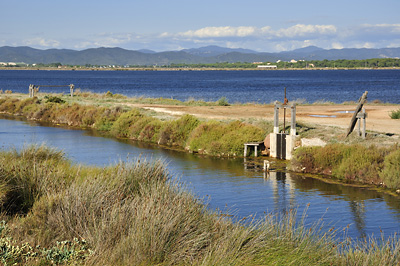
[135,213]
[395,114]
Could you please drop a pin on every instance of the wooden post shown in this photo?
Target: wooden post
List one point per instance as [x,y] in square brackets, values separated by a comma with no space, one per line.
[71,89]
[30,91]
[358,109]
[245,150]
[364,133]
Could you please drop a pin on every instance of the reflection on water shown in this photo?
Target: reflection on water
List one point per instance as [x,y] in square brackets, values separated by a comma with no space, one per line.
[225,181]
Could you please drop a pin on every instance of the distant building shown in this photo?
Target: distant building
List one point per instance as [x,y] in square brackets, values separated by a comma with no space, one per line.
[293,61]
[267,67]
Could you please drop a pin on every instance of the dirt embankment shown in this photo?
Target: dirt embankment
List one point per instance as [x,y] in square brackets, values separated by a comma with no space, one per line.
[378,118]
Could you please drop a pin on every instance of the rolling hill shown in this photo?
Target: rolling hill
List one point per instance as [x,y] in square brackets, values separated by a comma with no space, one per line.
[209,54]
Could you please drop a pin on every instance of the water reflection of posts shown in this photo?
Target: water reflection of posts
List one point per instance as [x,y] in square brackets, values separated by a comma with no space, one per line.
[281,184]
[358,210]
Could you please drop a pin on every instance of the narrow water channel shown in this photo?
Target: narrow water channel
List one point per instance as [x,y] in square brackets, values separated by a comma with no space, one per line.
[225,184]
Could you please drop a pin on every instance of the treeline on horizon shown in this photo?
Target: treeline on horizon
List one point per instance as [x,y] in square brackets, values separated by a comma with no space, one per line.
[300,64]
[341,63]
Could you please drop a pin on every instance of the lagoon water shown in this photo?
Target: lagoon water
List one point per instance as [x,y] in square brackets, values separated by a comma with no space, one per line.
[237,86]
[225,183]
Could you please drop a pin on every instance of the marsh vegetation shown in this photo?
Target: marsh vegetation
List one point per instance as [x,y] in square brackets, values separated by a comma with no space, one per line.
[135,212]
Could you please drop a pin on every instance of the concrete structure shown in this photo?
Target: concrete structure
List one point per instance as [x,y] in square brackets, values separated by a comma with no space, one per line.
[282,144]
[267,66]
[256,145]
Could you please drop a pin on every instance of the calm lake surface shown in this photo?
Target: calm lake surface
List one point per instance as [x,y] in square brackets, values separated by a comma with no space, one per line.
[237,86]
[224,183]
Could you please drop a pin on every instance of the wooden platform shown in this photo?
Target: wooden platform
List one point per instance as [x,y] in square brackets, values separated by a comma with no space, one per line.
[256,145]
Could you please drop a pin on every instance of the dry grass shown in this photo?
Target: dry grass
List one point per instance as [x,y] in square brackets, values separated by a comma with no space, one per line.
[135,213]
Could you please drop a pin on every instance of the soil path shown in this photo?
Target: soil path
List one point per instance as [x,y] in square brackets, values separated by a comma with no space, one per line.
[378,118]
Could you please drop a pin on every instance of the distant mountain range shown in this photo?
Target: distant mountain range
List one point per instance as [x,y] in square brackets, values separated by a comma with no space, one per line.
[208,54]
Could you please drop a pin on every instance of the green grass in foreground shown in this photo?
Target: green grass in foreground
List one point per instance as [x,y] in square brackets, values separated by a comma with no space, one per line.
[134,213]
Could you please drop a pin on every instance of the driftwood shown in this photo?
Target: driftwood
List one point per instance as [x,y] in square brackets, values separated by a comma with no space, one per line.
[353,121]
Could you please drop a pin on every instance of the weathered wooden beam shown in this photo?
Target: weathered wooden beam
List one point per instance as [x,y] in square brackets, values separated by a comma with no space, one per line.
[358,109]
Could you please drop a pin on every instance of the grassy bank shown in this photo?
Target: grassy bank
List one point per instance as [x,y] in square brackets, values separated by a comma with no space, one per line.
[186,132]
[365,164]
[134,213]
[111,114]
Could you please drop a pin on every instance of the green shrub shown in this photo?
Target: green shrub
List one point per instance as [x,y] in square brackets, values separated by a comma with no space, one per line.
[120,127]
[137,127]
[361,163]
[177,132]
[395,114]
[351,162]
[151,131]
[217,138]
[391,170]
[304,160]
[106,118]
[223,101]
[53,99]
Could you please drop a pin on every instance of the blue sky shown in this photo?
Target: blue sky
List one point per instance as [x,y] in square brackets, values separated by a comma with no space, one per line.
[264,26]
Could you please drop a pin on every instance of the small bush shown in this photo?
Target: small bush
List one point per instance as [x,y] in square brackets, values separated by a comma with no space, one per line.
[177,132]
[391,170]
[151,131]
[351,162]
[217,138]
[395,114]
[120,127]
[223,102]
[361,163]
[53,99]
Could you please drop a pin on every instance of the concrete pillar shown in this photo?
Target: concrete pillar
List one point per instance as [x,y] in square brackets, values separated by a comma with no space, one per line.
[293,120]
[245,151]
[273,148]
[276,118]
[290,143]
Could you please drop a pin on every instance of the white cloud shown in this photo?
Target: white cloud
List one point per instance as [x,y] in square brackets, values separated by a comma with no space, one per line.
[298,30]
[262,39]
[337,45]
[218,32]
[46,43]
[301,30]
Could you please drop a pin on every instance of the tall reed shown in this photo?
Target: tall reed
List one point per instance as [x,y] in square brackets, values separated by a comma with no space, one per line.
[135,213]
